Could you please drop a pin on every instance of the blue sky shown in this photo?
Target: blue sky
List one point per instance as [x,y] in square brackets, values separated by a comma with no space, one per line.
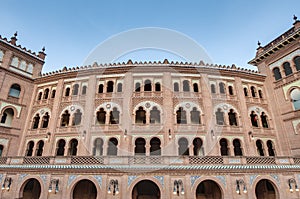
[228,30]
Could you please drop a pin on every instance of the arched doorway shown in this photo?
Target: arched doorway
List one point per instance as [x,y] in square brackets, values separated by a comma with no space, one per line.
[265,189]
[208,189]
[85,189]
[32,189]
[145,189]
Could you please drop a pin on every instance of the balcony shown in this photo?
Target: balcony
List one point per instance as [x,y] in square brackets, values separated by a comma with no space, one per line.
[150,160]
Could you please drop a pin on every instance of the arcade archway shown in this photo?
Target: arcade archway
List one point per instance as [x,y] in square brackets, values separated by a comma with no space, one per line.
[208,189]
[265,189]
[32,189]
[145,189]
[85,189]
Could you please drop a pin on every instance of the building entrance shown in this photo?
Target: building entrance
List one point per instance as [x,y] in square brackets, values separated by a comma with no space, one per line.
[85,189]
[145,189]
[208,189]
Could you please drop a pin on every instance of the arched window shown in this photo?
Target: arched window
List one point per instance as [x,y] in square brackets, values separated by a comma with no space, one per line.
[197,143]
[220,117]
[36,121]
[46,93]
[195,116]
[101,116]
[157,86]
[40,148]
[253,91]
[183,146]
[212,88]
[271,149]
[155,146]
[73,147]
[120,87]
[65,118]
[260,94]
[259,147]
[148,85]
[224,147]
[112,148]
[7,117]
[77,118]
[67,92]
[195,87]
[186,86]
[140,116]
[181,116]
[230,90]
[137,87]
[277,73]
[287,68]
[264,120]
[98,147]
[140,148]
[295,97]
[100,88]
[114,116]
[29,149]
[176,87]
[254,119]
[222,87]
[245,92]
[1,147]
[15,90]
[237,147]
[154,116]
[1,55]
[53,93]
[232,118]
[84,88]
[40,95]
[75,89]
[45,120]
[60,151]
[297,62]
[110,87]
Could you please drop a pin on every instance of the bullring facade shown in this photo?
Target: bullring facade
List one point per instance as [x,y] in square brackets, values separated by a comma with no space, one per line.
[151,130]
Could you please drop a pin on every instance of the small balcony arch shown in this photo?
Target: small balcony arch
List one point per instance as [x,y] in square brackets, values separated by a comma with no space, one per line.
[101,116]
[60,150]
[65,118]
[15,90]
[232,118]
[157,87]
[110,87]
[84,89]
[176,87]
[67,92]
[245,91]
[224,147]
[195,88]
[147,85]
[186,86]
[155,116]
[40,148]
[271,148]
[140,146]
[114,116]
[287,68]
[230,90]
[77,118]
[253,91]
[29,149]
[297,62]
[98,147]
[264,120]
[213,88]
[222,88]
[36,121]
[140,116]
[119,87]
[137,87]
[100,88]
[197,149]
[73,144]
[181,116]
[237,147]
[40,96]
[277,73]
[112,148]
[7,117]
[220,117]
[260,148]
[45,120]
[155,146]
[46,93]
[254,119]
[195,116]
[183,146]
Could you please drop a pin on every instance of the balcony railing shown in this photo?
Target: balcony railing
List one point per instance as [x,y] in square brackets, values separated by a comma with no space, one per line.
[149,160]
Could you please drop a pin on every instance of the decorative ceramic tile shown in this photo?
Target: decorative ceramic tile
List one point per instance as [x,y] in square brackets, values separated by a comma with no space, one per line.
[276,178]
[160,179]
[99,180]
[193,179]
[44,178]
[222,179]
[130,179]
[71,179]
[252,178]
[22,176]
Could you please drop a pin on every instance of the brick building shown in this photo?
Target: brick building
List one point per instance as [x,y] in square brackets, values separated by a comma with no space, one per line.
[151,130]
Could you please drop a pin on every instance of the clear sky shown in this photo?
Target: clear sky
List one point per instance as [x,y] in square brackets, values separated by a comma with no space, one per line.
[228,30]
